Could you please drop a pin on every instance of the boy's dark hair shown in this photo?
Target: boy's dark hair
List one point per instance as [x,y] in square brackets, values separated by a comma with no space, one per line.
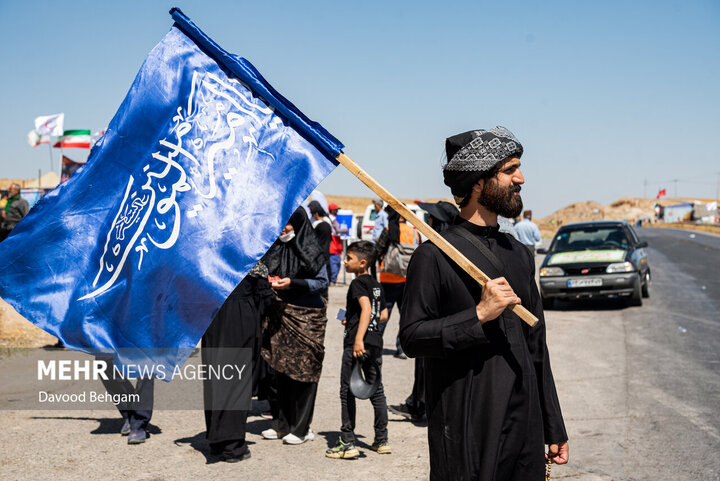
[364,250]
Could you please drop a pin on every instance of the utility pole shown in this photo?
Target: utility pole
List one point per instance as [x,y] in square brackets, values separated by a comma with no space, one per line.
[676,181]
[717,197]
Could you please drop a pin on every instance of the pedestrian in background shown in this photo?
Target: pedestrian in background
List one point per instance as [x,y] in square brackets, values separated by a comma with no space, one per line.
[397,232]
[441,215]
[336,246]
[15,209]
[381,223]
[528,232]
[323,229]
[381,219]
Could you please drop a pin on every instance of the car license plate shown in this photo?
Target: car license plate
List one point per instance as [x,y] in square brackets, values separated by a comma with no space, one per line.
[592,282]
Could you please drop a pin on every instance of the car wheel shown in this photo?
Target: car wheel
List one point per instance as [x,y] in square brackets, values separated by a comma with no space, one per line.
[636,296]
[548,303]
[646,285]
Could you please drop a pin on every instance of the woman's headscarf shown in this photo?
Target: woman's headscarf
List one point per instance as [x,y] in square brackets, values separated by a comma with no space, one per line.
[302,256]
[393,225]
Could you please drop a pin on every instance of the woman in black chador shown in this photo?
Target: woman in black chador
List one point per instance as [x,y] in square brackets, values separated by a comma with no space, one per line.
[490,397]
[236,325]
[294,329]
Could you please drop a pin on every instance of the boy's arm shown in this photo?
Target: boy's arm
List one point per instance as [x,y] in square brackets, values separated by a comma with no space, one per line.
[384,316]
[365,312]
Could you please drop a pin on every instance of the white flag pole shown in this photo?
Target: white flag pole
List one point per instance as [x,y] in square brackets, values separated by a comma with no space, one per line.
[51,155]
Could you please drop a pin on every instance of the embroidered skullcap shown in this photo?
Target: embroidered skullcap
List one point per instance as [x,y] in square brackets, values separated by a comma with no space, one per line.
[473,153]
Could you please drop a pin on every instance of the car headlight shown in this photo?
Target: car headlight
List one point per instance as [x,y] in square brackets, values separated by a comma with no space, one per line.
[551,271]
[619,267]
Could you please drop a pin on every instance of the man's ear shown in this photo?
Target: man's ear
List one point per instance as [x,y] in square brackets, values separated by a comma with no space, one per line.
[478,187]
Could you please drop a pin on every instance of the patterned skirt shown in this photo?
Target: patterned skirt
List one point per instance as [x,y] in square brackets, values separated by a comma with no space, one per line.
[293,340]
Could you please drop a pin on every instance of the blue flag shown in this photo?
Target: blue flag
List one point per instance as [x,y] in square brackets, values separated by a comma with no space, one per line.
[198,172]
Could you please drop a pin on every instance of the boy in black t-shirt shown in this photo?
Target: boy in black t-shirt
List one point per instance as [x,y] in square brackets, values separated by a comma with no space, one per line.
[365,310]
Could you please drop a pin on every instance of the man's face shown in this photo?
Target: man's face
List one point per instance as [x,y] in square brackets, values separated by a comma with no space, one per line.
[501,193]
[13,191]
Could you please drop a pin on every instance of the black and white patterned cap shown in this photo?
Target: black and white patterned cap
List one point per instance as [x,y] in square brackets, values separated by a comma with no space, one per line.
[473,153]
[485,149]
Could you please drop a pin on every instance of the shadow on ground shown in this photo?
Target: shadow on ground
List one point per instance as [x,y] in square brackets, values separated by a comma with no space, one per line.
[199,443]
[613,304]
[106,425]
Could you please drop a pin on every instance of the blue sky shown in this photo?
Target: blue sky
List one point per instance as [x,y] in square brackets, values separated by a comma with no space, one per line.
[603,95]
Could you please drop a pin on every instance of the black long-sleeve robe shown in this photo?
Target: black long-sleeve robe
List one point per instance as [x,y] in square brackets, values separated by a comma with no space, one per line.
[490,395]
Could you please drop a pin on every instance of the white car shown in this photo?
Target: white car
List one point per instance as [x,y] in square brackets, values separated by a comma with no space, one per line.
[367,220]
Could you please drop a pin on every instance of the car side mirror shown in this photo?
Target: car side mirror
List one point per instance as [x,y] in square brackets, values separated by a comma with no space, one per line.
[542,250]
[642,244]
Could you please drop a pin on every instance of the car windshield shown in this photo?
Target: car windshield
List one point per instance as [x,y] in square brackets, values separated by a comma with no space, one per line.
[589,238]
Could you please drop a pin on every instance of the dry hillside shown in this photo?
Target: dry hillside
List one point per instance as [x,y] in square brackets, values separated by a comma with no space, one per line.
[358,204]
[626,208]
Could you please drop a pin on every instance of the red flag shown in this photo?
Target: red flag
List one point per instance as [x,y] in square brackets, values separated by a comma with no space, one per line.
[661,193]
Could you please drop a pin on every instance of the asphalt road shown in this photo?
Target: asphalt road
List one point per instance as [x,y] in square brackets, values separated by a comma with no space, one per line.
[639,388]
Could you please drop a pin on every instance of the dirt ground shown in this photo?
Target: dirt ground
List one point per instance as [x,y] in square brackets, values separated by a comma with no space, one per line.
[71,445]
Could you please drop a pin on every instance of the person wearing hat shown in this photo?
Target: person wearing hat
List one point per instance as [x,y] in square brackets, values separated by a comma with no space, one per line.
[490,395]
[336,246]
[440,216]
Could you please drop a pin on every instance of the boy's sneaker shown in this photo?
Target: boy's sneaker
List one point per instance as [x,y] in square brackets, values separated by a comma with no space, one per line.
[381,447]
[270,434]
[343,450]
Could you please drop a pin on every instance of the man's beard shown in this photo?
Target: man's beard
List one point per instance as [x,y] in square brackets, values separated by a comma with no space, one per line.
[502,202]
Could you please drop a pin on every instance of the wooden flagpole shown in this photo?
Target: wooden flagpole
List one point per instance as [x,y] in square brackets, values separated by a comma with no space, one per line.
[429,232]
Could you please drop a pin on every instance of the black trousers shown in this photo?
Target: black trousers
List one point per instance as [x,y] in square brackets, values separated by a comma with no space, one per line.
[140,413]
[296,405]
[394,292]
[347,400]
[236,325]
[416,400]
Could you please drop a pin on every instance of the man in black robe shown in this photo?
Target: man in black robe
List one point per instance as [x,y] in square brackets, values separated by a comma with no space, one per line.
[490,396]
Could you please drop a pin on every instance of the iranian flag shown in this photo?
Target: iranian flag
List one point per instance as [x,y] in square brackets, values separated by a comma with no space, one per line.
[79,139]
[35,139]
